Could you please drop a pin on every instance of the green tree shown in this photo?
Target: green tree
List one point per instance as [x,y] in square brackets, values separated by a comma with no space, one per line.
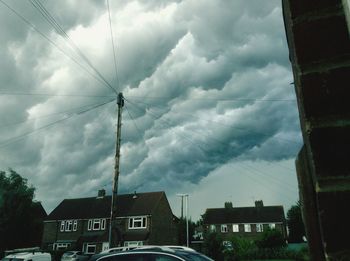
[271,238]
[182,231]
[20,222]
[295,224]
[213,246]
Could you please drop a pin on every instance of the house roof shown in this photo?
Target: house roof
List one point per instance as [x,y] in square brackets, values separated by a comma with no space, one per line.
[127,205]
[265,214]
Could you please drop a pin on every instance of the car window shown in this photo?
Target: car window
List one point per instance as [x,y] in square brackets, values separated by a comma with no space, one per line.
[130,257]
[164,258]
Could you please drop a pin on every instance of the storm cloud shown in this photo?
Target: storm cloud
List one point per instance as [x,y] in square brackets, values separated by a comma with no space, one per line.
[207,90]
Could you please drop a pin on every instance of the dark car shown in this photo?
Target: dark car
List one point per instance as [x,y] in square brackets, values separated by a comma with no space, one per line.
[156,254]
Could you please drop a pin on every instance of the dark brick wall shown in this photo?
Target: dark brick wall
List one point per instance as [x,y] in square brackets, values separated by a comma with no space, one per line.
[319,44]
[163,229]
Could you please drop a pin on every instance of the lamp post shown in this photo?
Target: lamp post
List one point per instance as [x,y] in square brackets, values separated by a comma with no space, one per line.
[187,233]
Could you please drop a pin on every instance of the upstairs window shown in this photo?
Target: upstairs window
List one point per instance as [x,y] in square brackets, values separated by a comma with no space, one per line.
[137,222]
[272,225]
[259,228]
[62,226]
[68,225]
[97,224]
[212,228]
[235,228]
[224,229]
[247,228]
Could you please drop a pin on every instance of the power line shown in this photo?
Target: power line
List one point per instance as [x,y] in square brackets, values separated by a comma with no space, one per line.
[51,114]
[214,99]
[53,95]
[114,52]
[51,20]
[14,139]
[50,41]
[137,128]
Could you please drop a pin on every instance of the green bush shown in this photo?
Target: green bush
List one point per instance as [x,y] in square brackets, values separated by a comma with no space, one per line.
[271,238]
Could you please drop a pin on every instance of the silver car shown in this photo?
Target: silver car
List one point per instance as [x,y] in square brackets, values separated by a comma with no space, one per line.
[156,254]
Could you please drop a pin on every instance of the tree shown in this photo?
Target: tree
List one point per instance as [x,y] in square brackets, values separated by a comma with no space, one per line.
[213,246]
[295,224]
[271,238]
[182,230]
[20,216]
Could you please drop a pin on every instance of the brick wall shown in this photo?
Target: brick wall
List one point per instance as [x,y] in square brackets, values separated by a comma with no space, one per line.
[319,44]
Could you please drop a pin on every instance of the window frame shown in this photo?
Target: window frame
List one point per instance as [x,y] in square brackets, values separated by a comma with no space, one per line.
[75,225]
[69,225]
[247,228]
[259,228]
[212,228]
[272,225]
[235,228]
[97,222]
[87,248]
[224,228]
[135,220]
[63,226]
[103,224]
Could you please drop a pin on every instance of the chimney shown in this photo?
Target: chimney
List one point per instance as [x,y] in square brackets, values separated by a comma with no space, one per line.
[259,203]
[101,193]
[228,205]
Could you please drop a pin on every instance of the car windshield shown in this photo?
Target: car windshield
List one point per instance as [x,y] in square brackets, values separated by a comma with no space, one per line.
[195,256]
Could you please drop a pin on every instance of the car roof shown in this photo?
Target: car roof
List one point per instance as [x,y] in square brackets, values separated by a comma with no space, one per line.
[180,253]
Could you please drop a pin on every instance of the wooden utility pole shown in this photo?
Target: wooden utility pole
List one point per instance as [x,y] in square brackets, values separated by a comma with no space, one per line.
[112,224]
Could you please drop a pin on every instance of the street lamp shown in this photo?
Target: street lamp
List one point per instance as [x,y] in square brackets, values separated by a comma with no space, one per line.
[186,196]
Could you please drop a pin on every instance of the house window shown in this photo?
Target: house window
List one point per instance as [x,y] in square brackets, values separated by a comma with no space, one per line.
[103,224]
[75,225]
[212,228]
[60,246]
[62,226]
[97,224]
[90,224]
[272,225]
[235,228]
[90,248]
[247,228]
[69,225]
[137,223]
[133,243]
[224,229]
[259,228]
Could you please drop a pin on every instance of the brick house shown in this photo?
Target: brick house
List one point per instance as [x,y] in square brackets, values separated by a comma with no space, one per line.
[83,223]
[248,222]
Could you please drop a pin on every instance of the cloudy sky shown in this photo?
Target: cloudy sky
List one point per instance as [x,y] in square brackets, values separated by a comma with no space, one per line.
[209,105]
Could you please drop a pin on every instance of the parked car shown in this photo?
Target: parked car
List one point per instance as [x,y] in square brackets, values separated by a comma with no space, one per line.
[28,256]
[155,254]
[74,256]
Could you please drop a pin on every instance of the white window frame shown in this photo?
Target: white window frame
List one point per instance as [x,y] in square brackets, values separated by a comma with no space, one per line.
[259,228]
[103,224]
[87,248]
[75,225]
[212,228]
[69,225]
[63,225]
[247,228]
[60,246]
[133,243]
[224,228]
[272,225]
[235,228]
[98,223]
[90,224]
[133,221]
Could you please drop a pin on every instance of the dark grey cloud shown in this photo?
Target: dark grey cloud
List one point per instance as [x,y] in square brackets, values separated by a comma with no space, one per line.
[207,85]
